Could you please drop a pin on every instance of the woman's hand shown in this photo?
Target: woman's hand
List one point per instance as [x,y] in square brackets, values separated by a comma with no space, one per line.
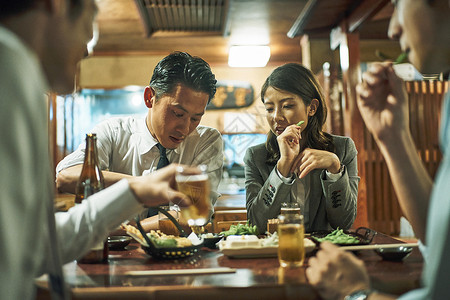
[383,102]
[335,273]
[289,144]
[311,159]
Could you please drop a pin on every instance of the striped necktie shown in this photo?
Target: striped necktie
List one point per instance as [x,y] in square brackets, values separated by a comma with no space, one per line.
[163,161]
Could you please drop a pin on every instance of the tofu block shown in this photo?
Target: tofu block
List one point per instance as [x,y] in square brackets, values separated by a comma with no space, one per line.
[240,241]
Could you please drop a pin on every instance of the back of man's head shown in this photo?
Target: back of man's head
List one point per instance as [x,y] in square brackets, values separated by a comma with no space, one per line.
[10,8]
[182,68]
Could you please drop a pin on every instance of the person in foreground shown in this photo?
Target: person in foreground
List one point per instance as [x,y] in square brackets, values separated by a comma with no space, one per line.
[180,88]
[423,29]
[41,42]
[300,163]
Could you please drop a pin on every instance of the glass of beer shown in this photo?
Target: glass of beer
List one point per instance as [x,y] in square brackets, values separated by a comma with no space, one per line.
[291,232]
[193,182]
[288,208]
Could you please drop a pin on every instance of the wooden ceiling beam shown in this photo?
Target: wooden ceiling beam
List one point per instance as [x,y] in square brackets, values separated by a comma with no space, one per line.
[361,14]
[302,19]
[364,12]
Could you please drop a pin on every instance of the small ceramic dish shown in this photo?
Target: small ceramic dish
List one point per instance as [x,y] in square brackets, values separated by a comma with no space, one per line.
[394,254]
[211,241]
[118,242]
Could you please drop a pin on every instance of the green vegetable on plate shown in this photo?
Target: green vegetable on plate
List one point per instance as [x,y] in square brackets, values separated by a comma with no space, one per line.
[339,237]
[163,243]
[241,229]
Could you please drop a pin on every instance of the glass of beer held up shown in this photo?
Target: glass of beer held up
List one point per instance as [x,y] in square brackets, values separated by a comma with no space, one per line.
[193,182]
[291,232]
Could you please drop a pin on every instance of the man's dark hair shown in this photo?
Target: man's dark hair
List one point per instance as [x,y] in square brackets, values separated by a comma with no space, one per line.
[182,68]
[13,7]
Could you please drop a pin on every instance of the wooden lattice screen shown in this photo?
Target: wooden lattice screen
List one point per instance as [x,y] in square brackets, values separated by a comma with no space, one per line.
[380,202]
[424,107]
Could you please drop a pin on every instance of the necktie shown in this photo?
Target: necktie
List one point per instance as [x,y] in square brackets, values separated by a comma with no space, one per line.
[163,161]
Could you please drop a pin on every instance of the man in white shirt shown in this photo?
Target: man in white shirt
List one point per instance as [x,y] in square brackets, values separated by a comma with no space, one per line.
[423,30]
[41,42]
[179,90]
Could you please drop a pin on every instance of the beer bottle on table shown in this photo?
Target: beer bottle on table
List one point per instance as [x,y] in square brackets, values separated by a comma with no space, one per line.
[91,181]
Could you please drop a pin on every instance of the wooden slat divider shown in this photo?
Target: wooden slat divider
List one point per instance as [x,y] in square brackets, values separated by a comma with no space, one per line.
[425,101]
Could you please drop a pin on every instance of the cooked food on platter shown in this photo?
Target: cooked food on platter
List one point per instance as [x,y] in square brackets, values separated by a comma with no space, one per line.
[159,238]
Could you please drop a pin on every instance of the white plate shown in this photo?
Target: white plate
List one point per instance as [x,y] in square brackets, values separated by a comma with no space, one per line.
[257,252]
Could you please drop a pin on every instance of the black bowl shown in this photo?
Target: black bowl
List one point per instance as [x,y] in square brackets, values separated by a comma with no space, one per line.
[171,253]
[394,254]
[118,242]
[211,242]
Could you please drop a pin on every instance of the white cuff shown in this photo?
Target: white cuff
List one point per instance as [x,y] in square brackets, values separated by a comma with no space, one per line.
[335,177]
[286,180]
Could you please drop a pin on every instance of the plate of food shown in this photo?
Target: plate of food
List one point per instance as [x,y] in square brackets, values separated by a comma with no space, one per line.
[250,246]
[340,237]
[162,246]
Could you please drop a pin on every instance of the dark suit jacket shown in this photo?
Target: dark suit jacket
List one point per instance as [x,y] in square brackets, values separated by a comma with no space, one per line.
[332,204]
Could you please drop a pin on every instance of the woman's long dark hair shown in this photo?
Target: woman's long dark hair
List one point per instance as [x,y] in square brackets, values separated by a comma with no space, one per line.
[296,79]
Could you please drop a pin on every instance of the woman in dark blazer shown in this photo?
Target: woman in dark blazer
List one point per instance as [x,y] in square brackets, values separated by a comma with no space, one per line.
[300,163]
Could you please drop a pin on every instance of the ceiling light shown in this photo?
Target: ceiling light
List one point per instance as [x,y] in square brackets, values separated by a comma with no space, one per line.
[248,56]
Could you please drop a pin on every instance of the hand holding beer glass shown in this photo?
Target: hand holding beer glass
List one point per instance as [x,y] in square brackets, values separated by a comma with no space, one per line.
[193,182]
[291,232]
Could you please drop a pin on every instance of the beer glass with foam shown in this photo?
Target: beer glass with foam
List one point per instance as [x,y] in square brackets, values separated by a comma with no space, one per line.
[193,182]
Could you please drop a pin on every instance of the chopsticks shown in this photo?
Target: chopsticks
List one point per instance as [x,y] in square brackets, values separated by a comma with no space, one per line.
[378,246]
[182,272]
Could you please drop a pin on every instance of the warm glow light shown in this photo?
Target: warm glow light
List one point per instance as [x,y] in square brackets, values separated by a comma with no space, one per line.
[248,56]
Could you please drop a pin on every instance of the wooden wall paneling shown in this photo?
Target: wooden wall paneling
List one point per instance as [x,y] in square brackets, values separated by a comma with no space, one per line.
[434,126]
[428,90]
[353,123]
[421,138]
[324,79]
[305,47]
[388,211]
[51,113]
[368,156]
[374,216]
[331,85]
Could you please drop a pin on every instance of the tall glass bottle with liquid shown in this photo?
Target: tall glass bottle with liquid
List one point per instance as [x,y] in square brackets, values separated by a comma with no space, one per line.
[91,181]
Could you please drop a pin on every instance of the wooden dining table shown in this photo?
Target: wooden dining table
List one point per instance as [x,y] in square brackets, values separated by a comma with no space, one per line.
[247,278]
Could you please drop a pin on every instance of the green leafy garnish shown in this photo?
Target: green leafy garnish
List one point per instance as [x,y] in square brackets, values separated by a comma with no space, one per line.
[300,123]
[338,237]
[241,229]
[163,243]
